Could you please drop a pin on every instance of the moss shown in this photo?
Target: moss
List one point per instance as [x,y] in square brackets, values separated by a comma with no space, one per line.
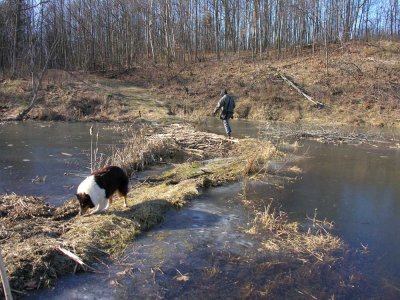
[183,171]
[176,194]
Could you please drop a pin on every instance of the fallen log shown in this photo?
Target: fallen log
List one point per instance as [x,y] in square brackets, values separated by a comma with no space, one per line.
[299,90]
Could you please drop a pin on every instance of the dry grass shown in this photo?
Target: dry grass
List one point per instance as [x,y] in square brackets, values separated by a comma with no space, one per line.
[140,150]
[273,221]
[303,262]
[295,170]
[87,238]
[13,93]
[361,88]
[66,96]
[29,237]
[316,241]
[257,154]
[147,145]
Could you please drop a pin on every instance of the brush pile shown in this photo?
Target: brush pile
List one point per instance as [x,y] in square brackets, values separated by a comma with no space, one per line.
[329,134]
[40,242]
[177,142]
[30,231]
[200,144]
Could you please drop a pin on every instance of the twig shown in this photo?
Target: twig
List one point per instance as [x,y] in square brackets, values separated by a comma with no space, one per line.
[306,293]
[4,280]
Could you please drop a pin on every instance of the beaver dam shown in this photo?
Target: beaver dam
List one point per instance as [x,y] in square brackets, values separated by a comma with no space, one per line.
[41,242]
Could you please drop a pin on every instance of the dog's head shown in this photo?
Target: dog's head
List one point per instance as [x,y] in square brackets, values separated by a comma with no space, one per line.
[85,202]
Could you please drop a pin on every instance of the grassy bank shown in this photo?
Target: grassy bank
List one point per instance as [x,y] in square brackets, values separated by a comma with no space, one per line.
[358,86]
[69,96]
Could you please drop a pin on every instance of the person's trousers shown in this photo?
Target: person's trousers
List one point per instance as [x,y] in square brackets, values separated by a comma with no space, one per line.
[227,127]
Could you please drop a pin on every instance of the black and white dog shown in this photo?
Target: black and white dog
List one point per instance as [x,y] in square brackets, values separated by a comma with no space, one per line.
[97,190]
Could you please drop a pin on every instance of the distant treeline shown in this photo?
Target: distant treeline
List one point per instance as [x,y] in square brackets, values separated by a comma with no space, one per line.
[111,34]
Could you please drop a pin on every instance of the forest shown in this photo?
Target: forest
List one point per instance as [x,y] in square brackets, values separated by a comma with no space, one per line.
[93,35]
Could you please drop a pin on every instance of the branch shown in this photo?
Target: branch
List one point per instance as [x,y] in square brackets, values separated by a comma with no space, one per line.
[308,97]
[74,257]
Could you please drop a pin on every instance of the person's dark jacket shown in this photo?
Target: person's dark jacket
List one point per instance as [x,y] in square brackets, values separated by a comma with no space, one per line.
[227,106]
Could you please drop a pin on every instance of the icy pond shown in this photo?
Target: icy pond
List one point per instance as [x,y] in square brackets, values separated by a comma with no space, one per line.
[356,187]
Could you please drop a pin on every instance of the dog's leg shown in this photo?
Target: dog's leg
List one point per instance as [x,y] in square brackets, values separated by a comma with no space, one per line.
[95,210]
[103,205]
[124,196]
[109,201]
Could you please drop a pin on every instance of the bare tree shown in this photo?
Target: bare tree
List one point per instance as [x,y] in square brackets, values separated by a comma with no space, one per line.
[216,28]
[108,34]
[37,70]
[17,16]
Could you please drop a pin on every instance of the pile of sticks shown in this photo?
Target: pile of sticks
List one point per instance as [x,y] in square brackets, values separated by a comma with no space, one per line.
[197,143]
[327,134]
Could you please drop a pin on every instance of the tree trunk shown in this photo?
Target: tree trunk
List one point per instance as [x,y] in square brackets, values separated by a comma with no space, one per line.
[16,37]
[150,20]
[216,17]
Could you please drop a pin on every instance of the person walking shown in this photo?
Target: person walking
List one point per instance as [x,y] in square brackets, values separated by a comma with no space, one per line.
[227,106]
